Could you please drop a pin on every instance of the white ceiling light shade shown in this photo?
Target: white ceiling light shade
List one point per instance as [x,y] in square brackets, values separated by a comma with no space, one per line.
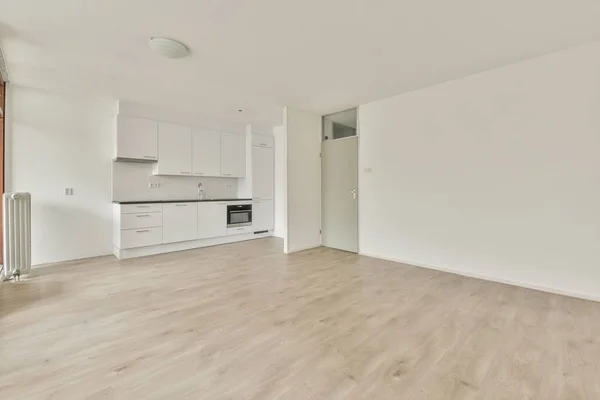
[168,47]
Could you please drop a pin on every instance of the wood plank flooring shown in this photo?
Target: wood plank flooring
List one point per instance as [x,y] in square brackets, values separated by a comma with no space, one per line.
[244,321]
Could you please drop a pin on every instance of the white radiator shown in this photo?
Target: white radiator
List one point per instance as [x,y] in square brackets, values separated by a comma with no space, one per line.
[16,228]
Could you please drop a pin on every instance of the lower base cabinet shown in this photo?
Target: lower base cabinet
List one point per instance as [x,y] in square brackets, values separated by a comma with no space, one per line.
[180,222]
[132,238]
[263,215]
[212,220]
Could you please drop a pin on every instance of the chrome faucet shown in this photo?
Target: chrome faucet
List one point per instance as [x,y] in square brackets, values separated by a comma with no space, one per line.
[200,191]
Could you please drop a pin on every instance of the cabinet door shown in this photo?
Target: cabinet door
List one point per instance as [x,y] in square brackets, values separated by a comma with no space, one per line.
[206,153]
[180,222]
[137,138]
[212,220]
[233,155]
[263,218]
[262,141]
[174,150]
[263,178]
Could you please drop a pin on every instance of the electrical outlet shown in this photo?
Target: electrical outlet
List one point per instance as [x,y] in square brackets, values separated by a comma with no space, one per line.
[68,191]
[228,186]
[154,185]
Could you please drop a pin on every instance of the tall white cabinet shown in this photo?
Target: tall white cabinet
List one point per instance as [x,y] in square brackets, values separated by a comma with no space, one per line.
[263,181]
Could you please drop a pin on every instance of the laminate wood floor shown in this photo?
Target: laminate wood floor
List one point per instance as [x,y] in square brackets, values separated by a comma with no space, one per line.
[244,321]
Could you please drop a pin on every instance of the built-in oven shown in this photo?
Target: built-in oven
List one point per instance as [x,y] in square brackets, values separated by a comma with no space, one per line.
[239,215]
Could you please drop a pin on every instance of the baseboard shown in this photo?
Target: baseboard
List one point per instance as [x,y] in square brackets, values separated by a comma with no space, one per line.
[303,248]
[72,261]
[123,254]
[490,278]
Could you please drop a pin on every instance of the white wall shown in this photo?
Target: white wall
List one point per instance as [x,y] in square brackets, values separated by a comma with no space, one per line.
[56,142]
[303,168]
[495,175]
[280,178]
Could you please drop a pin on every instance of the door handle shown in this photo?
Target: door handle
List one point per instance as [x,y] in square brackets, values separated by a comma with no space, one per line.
[353,193]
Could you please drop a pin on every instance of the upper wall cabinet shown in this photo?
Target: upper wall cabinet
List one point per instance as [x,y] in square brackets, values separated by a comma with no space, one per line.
[136,139]
[233,155]
[174,152]
[206,153]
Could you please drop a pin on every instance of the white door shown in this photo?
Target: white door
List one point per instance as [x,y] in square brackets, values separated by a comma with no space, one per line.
[137,138]
[206,153]
[180,222]
[263,215]
[212,220]
[174,150]
[339,213]
[233,155]
[263,174]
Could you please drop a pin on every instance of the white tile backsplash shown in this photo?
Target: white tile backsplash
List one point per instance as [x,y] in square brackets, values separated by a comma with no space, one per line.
[131,182]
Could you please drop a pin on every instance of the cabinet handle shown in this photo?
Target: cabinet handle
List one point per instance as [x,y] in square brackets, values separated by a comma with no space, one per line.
[198,173]
[142,231]
[263,144]
[185,173]
[142,206]
[152,157]
[226,174]
[181,205]
[142,216]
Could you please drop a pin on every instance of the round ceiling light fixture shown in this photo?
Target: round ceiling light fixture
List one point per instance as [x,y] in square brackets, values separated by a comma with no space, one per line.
[168,47]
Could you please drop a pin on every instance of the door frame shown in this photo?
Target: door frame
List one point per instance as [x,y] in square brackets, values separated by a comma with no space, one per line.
[358,180]
[2,158]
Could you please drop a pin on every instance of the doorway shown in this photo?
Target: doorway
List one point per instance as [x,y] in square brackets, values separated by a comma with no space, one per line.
[339,181]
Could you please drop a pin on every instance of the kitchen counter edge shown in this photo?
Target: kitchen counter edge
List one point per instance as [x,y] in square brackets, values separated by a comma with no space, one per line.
[176,201]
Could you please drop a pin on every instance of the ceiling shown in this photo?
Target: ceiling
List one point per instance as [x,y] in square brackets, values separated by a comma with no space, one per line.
[258,55]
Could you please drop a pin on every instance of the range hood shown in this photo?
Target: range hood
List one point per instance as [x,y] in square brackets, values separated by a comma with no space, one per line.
[135,160]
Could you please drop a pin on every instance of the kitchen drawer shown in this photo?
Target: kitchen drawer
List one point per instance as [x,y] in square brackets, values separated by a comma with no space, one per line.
[131,238]
[262,141]
[239,231]
[142,220]
[141,208]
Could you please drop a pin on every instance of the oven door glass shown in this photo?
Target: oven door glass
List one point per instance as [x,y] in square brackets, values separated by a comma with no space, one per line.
[239,217]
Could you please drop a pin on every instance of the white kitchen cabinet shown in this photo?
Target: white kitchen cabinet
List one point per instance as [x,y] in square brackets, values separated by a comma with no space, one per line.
[263,215]
[263,175]
[132,238]
[137,139]
[262,141]
[180,222]
[174,152]
[206,153]
[141,220]
[233,155]
[212,220]
[140,208]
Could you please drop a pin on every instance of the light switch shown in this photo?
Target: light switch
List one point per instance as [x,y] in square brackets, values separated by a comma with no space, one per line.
[68,191]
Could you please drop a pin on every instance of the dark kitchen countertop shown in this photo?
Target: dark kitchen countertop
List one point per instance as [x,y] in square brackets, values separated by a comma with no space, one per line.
[176,201]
